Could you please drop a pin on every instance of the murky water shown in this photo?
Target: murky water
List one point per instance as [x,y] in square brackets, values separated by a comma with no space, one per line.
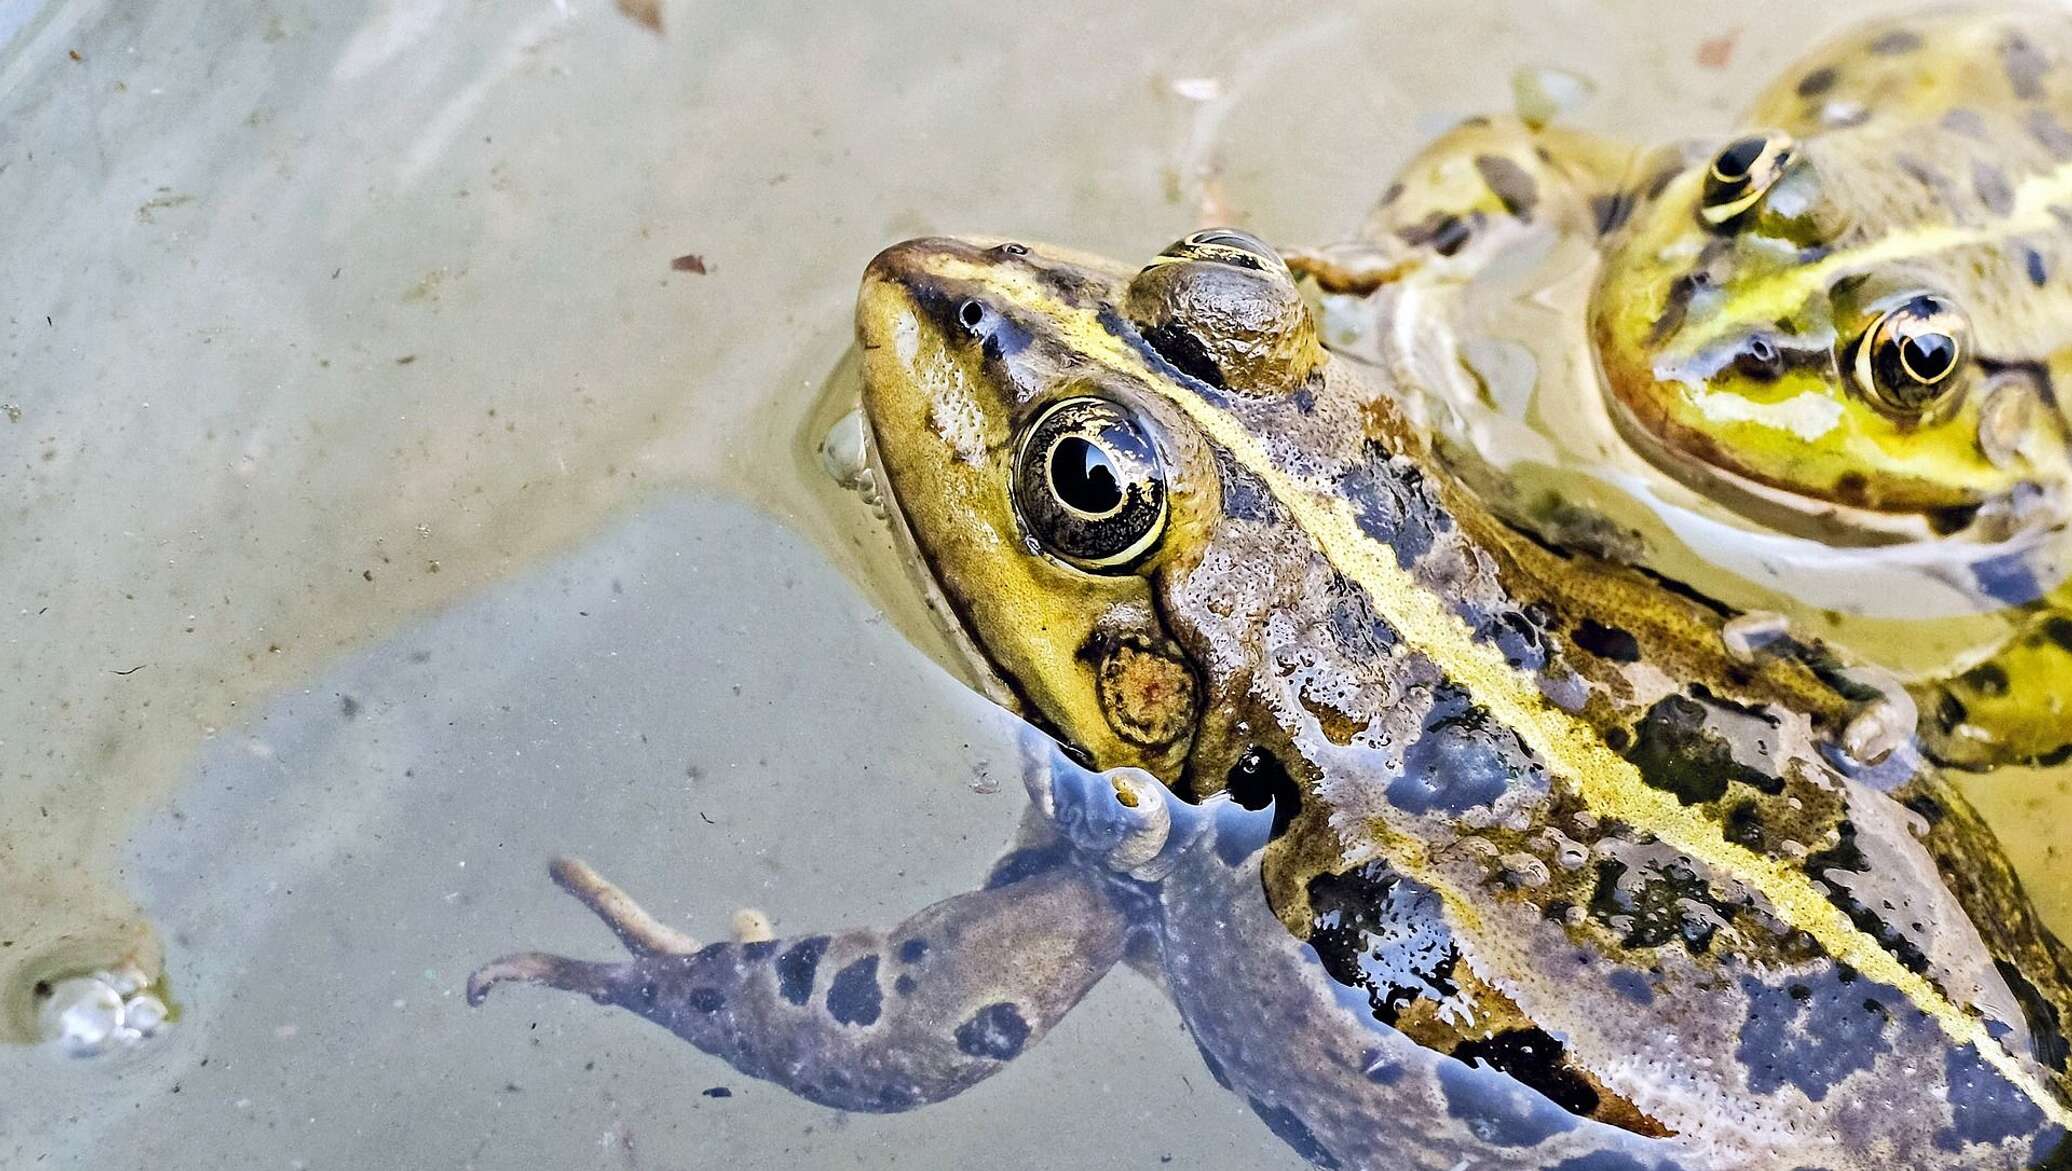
[405,479]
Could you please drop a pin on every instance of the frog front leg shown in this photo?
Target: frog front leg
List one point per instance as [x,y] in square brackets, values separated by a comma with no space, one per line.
[856,1020]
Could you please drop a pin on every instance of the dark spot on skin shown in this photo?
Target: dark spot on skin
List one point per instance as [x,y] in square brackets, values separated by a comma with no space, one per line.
[1852,488]
[1394,193]
[1257,780]
[904,986]
[758,951]
[1536,1059]
[1356,629]
[1618,738]
[1498,1109]
[1818,82]
[1462,759]
[2057,630]
[1632,985]
[1291,1130]
[1244,496]
[1987,679]
[1518,635]
[1606,642]
[853,997]
[1610,211]
[2008,579]
[1676,753]
[1896,42]
[1990,182]
[1375,930]
[1186,352]
[1811,1035]
[996,1031]
[1846,856]
[1513,185]
[2046,1028]
[1026,863]
[1965,122]
[1393,504]
[1663,903]
[795,968]
[912,950]
[1744,826]
[2032,263]
[1444,233]
[2044,127]
[705,1000]
[1953,518]
[2025,66]
[1984,1108]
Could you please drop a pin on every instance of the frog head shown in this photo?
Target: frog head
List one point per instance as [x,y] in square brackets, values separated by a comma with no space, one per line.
[1801,321]
[1012,396]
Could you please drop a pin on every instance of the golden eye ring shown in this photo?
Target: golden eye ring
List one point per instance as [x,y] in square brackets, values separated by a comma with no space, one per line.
[1088,485]
[1742,173]
[1906,362]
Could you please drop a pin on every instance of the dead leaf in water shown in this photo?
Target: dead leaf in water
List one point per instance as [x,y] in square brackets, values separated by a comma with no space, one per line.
[689,262]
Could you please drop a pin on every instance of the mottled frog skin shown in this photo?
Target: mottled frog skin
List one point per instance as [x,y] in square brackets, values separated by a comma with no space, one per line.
[1853,320]
[1452,850]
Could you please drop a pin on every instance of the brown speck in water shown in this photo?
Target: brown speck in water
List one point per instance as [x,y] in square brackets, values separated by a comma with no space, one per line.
[367,575]
[406,359]
[1716,52]
[14,412]
[646,13]
[689,262]
[74,54]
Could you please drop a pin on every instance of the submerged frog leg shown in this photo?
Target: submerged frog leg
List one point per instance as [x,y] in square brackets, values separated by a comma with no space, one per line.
[857,1020]
[2015,706]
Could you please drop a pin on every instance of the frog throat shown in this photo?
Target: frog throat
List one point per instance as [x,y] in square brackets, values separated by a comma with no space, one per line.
[1571,748]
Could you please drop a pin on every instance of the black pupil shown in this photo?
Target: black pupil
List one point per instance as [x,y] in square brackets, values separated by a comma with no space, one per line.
[1084,477]
[1735,161]
[1929,355]
[971,313]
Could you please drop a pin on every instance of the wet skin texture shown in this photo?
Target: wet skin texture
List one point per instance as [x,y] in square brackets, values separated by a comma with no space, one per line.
[1432,880]
[1849,321]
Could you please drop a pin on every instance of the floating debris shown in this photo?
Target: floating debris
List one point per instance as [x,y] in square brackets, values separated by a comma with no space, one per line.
[689,262]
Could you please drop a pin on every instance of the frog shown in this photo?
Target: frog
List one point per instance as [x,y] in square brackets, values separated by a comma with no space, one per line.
[1450,848]
[1846,324]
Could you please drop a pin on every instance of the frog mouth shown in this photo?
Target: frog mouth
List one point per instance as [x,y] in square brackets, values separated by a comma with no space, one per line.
[978,669]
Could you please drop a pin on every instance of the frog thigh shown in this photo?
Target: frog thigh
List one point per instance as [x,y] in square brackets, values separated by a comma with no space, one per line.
[861,1020]
[1344,1091]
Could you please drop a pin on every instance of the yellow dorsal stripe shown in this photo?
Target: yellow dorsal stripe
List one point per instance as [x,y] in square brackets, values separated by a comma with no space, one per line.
[1779,295]
[1609,783]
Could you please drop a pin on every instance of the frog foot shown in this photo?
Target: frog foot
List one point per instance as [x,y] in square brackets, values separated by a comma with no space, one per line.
[1355,269]
[862,1019]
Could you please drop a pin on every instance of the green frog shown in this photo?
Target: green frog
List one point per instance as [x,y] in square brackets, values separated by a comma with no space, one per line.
[1849,324]
[1452,849]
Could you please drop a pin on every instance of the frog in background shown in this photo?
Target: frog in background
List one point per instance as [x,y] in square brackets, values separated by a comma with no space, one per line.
[1851,324]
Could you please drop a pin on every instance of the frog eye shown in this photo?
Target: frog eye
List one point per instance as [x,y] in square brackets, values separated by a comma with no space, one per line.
[1221,306]
[1088,485]
[1907,361]
[1742,174]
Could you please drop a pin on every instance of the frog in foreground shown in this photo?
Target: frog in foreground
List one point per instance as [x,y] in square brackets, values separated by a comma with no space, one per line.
[1452,850]
[1852,322]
